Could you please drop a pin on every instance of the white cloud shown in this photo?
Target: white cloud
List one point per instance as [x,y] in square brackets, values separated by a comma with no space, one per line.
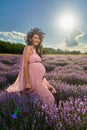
[83,39]
[14,35]
[77,40]
[12,40]
[73,39]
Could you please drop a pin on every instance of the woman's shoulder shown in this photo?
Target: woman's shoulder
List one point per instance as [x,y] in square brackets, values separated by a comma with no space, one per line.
[28,47]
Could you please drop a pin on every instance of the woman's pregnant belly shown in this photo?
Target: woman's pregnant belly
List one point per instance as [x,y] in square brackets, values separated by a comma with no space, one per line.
[37,70]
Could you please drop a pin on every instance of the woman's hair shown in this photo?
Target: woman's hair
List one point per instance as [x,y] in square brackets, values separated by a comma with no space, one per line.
[30,34]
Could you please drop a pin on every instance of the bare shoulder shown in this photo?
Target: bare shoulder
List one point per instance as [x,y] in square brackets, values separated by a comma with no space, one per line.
[28,46]
[28,49]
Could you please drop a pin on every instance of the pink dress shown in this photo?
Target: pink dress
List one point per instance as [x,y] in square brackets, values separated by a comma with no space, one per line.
[36,72]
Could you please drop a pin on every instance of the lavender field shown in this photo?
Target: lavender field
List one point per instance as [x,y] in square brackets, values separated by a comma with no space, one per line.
[68,74]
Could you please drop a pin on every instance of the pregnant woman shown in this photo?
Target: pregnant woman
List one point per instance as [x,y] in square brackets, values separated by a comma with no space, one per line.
[32,74]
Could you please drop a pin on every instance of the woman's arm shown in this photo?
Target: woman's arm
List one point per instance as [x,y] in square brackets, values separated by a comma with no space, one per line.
[45,82]
[26,60]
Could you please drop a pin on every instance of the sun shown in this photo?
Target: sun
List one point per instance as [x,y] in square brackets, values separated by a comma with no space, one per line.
[67,22]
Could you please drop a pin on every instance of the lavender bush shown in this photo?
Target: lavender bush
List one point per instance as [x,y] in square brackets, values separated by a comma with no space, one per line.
[68,74]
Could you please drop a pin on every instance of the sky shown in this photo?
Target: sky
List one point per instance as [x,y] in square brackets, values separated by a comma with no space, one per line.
[62,21]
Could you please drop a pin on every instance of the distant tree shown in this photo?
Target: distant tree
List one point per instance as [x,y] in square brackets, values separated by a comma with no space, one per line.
[17,48]
[14,48]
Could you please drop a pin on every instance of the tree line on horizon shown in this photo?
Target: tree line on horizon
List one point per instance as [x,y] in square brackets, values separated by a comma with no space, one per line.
[17,48]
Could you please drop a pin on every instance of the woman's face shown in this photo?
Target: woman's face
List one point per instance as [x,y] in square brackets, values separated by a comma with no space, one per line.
[35,40]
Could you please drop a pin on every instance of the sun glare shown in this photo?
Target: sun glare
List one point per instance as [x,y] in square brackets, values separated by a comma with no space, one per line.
[66,22]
